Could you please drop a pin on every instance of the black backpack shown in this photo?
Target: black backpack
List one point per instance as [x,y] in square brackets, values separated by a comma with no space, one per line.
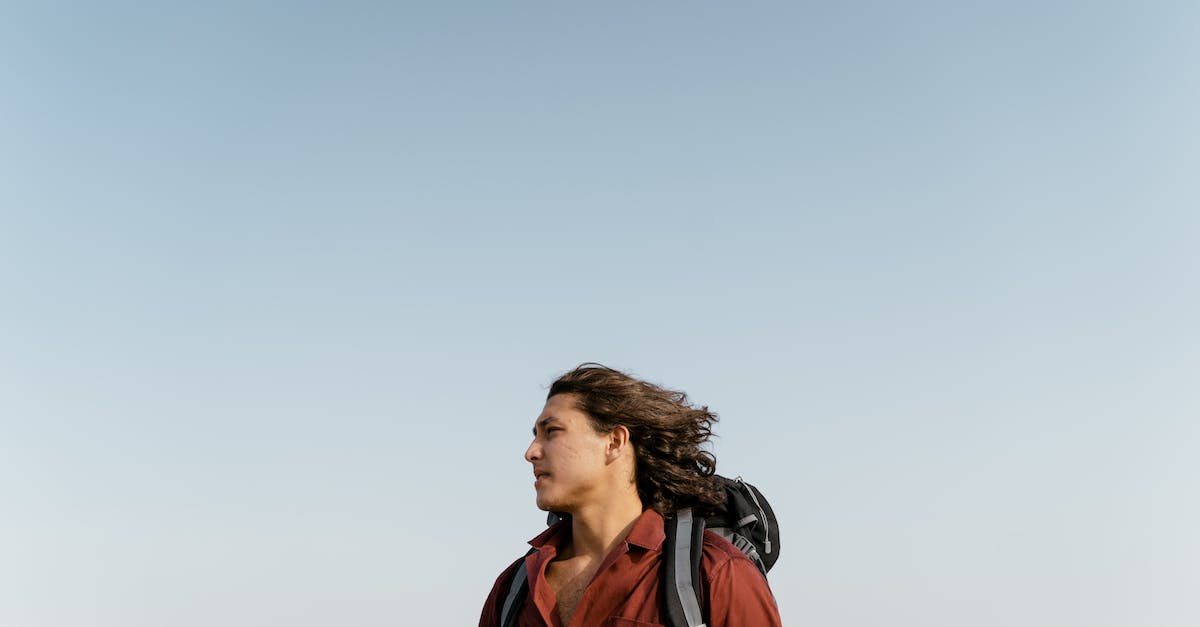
[745,519]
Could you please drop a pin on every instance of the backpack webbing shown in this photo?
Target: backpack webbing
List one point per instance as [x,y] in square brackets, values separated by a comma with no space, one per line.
[517,589]
[682,551]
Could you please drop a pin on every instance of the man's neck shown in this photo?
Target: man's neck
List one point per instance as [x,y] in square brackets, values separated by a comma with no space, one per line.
[596,529]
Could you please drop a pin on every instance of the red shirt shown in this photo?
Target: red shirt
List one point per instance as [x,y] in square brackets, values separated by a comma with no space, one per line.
[627,590]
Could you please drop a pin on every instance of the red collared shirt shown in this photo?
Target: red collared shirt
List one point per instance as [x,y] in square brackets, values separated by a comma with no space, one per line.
[627,590]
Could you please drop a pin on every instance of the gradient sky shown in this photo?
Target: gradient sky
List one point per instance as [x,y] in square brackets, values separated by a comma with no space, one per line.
[282,286]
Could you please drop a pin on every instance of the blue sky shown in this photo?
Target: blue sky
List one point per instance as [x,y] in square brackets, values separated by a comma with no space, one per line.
[283,285]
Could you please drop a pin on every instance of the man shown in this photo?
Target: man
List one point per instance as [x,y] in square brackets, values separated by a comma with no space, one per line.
[615,454]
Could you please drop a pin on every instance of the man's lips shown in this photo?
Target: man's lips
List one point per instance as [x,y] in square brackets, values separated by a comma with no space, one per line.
[539,475]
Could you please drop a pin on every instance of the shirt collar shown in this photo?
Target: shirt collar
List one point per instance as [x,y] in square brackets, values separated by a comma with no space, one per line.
[554,535]
[647,532]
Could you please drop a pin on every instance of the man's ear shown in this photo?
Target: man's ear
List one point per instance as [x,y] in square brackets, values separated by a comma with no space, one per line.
[618,442]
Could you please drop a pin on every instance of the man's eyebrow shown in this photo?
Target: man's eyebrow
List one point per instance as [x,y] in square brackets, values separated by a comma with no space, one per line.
[543,422]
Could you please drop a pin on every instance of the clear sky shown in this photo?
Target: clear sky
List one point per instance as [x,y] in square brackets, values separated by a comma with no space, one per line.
[282,286]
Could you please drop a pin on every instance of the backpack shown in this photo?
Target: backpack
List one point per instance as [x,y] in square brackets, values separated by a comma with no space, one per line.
[745,519]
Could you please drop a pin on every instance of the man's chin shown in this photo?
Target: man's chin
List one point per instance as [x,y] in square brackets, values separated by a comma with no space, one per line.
[548,505]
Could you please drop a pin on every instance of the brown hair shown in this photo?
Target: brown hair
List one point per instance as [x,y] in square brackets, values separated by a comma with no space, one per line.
[673,472]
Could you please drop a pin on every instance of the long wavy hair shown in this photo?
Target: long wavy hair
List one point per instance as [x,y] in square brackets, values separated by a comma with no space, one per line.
[673,472]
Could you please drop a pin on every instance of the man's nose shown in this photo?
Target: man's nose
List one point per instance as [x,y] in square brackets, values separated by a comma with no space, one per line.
[534,452]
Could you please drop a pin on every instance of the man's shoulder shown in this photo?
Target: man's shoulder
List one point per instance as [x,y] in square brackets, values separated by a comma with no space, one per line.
[500,589]
[719,552]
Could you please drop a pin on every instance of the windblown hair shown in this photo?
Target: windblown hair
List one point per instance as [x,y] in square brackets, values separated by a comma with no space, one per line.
[673,472]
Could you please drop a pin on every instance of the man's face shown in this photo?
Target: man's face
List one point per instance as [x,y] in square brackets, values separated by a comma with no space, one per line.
[568,456]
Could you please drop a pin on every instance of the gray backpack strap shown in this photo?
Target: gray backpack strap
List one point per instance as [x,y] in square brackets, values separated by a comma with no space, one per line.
[516,594]
[743,545]
[682,551]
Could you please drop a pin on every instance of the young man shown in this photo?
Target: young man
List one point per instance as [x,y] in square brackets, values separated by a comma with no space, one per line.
[616,454]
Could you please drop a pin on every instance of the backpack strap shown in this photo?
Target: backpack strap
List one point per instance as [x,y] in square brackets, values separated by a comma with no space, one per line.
[519,585]
[515,598]
[682,550]
[743,545]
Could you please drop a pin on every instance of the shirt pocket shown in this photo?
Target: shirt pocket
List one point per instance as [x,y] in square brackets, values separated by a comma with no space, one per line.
[617,621]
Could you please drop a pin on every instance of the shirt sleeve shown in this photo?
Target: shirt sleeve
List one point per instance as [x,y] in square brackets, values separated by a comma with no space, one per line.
[740,597]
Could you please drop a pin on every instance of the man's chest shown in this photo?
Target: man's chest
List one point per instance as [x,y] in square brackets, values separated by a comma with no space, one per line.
[569,580]
[587,595]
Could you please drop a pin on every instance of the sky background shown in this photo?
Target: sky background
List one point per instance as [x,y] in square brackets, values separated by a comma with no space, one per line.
[282,286]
